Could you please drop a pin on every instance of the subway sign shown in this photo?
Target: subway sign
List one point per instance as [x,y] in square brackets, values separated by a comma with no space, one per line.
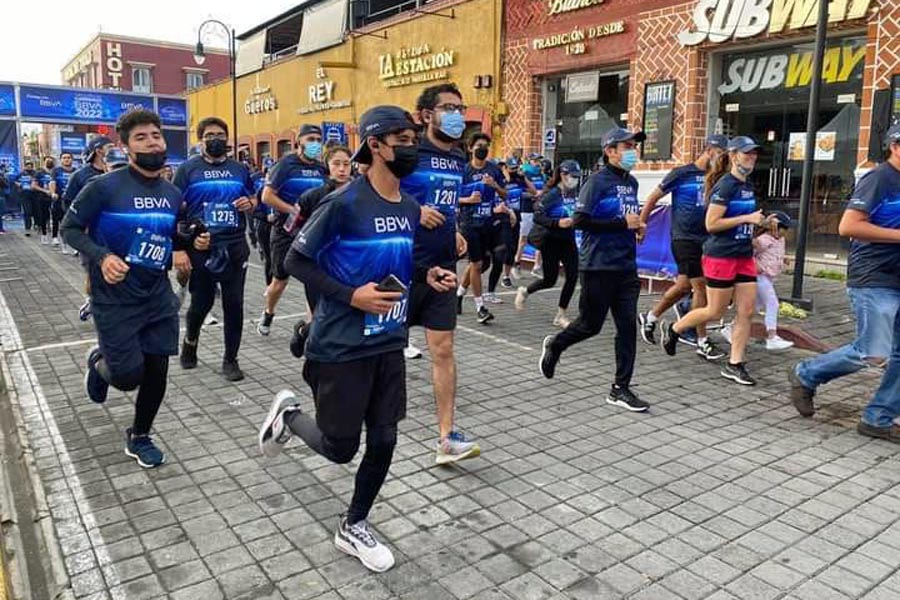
[717,21]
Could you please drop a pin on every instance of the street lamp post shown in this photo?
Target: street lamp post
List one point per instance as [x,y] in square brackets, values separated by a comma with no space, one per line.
[200,58]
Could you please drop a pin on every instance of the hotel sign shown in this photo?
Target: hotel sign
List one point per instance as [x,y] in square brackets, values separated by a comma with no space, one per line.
[721,20]
[416,64]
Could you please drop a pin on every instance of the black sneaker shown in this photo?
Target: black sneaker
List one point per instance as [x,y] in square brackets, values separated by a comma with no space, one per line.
[709,350]
[298,339]
[95,387]
[459,304]
[265,324]
[622,396]
[669,339]
[549,358]
[484,316]
[506,282]
[737,373]
[890,433]
[648,329]
[188,356]
[231,370]
[801,396]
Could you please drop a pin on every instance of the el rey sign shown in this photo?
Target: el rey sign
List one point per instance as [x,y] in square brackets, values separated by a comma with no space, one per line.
[721,20]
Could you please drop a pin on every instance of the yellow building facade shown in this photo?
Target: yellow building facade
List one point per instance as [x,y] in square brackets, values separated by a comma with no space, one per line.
[390,62]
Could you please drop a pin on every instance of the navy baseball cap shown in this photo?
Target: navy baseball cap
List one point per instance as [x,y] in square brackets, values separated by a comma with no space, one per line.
[893,135]
[617,135]
[512,162]
[380,120]
[742,143]
[534,156]
[94,145]
[717,140]
[784,220]
[308,128]
[570,166]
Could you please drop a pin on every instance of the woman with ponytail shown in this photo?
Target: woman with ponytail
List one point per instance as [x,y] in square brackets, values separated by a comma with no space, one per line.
[728,263]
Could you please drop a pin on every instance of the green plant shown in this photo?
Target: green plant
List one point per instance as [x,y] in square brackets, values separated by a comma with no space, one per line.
[833,275]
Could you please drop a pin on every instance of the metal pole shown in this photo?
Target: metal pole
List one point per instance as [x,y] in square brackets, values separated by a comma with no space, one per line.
[812,123]
[232,52]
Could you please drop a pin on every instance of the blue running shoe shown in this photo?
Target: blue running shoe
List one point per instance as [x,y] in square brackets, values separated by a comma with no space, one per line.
[95,387]
[84,311]
[142,449]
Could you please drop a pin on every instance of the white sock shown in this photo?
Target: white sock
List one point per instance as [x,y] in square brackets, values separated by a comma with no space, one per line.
[701,341]
[651,318]
[461,291]
[478,302]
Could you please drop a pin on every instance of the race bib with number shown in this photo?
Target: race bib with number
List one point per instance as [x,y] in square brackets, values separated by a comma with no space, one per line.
[149,250]
[220,215]
[443,196]
[743,232]
[395,319]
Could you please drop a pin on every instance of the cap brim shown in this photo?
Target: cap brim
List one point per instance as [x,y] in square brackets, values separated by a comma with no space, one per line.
[362,155]
[749,148]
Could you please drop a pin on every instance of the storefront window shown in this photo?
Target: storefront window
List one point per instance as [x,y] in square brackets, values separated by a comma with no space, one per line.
[765,94]
[581,123]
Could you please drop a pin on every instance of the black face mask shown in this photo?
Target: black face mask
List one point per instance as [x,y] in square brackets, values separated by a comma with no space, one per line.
[406,159]
[216,148]
[481,153]
[150,161]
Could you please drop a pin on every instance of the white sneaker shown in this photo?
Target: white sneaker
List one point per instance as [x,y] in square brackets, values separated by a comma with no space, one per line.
[492,298]
[777,344]
[56,241]
[210,320]
[521,297]
[357,540]
[66,251]
[411,352]
[273,434]
[726,333]
[455,447]
[45,240]
[561,320]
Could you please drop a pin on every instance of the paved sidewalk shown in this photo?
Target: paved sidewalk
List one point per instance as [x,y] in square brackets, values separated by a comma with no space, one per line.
[720,492]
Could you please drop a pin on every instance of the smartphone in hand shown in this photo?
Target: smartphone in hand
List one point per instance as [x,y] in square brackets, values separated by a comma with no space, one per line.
[391,284]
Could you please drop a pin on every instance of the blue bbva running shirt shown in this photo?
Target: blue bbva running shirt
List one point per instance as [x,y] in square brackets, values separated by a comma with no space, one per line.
[739,199]
[209,191]
[608,195]
[134,218]
[62,178]
[262,209]
[436,183]
[290,177]
[688,202]
[873,264]
[80,179]
[357,237]
[476,215]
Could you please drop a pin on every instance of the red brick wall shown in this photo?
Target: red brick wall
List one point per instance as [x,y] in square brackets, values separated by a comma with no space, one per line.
[882,62]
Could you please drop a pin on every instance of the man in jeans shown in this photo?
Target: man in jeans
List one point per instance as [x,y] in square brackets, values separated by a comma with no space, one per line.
[872,220]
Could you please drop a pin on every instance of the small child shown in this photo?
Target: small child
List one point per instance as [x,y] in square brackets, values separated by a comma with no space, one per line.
[768,249]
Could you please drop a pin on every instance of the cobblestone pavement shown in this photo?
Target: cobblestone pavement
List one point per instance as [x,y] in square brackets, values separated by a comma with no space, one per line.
[720,492]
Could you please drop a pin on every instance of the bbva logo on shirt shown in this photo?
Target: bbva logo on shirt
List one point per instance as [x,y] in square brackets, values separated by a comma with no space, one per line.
[216,174]
[145,202]
[392,224]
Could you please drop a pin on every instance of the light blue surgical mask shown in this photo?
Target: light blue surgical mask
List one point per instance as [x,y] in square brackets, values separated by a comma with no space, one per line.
[629,159]
[312,150]
[453,124]
[745,171]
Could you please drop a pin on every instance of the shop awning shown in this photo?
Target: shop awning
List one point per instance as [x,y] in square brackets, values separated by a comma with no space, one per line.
[250,54]
[324,25]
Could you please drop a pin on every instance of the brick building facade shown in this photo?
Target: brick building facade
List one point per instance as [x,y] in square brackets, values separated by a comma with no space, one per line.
[731,73]
[116,62]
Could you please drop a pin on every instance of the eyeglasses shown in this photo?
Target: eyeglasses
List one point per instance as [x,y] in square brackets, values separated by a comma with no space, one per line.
[215,136]
[460,108]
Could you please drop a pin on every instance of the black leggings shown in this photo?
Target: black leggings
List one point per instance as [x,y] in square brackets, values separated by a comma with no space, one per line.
[151,381]
[203,295]
[601,292]
[263,240]
[496,257]
[380,443]
[42,214]
[56,214]
[554,251]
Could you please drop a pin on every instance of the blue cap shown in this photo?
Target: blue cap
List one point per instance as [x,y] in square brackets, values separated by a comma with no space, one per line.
[534,156]
[717,140]
[742,143]
[570,166]
[380,120]
[268,162]
[893,135]
[617,135]
[116,157]
[512,162]
[94,145]
[784,220]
